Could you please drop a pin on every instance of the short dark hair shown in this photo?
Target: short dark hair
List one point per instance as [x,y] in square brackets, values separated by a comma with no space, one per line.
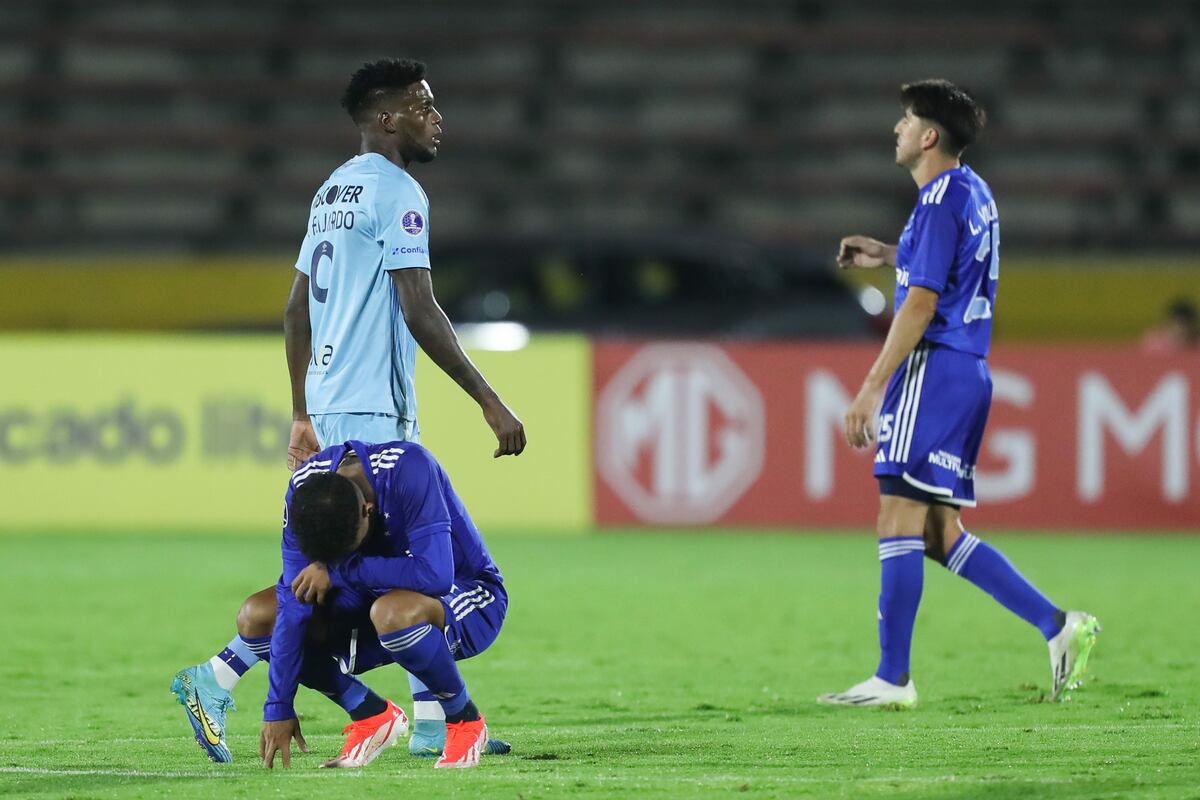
[951,107]
[324,516]
[375,79]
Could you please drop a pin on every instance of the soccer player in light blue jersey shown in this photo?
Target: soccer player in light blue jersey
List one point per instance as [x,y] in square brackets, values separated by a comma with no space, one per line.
[362,298]
[925,400]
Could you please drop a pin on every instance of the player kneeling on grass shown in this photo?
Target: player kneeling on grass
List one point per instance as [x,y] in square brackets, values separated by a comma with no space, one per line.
[381,564]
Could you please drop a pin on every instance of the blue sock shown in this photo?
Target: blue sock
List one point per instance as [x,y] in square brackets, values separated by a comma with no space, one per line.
[987,568]
[422,650]
[902,577]
[239,656]
[320,672]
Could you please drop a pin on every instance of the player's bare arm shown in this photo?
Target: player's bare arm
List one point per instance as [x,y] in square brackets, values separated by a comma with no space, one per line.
[276,737]
[906,331]
[433,332]
[863,252]
[297,336]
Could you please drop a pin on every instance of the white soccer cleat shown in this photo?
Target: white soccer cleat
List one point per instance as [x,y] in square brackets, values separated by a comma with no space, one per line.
[874,691]
[1069,651]
[369,737]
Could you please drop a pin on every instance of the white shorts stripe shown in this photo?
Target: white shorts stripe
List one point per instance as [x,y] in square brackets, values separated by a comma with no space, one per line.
[915,401]
[903,396]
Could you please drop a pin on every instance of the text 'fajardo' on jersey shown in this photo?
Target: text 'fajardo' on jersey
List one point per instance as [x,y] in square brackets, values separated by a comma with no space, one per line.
[951,245]
[369,217]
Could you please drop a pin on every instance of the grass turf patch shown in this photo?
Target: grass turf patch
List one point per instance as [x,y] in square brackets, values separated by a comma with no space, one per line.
[658,665]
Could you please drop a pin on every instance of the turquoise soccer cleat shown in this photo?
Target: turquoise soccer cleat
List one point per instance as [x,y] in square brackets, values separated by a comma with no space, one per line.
[429,737]
[206,704]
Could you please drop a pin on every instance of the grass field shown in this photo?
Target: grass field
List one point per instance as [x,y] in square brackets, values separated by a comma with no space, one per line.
[631,665]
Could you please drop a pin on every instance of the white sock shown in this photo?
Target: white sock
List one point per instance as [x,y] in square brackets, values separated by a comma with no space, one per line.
[426,709]
[226,677]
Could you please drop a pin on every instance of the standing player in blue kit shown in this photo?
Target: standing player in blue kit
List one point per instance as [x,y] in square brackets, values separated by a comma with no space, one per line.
[931,379]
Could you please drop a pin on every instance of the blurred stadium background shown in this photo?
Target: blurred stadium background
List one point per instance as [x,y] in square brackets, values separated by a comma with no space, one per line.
[670,170]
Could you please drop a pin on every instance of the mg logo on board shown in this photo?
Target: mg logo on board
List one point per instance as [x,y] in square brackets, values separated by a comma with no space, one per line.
[680,433]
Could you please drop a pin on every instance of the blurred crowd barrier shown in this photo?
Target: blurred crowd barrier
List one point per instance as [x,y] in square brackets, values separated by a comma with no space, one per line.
[189,431]
[120,432]
[1108,300]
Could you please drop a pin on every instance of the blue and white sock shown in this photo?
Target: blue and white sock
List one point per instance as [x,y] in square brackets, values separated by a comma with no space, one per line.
[902,577]
[425,702]
[422,650]
[987,568]
[238,656]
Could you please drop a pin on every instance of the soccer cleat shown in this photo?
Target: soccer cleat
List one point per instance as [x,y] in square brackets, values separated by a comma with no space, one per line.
[1069,651]
[429,736]
[874,691]
[465,741]
[367,738]
[206,704]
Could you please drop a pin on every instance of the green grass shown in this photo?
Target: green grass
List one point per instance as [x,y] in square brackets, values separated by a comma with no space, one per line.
[631,665]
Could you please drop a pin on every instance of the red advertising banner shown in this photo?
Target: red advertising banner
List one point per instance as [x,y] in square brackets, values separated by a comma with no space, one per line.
[692,433]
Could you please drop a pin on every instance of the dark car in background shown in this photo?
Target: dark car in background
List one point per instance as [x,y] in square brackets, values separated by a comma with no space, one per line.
[649,286]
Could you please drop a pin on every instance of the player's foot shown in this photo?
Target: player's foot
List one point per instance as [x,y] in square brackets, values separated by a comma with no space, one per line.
[367,738]
[206,704]
[464,743]
[874,691]
[1069,651]
[429,736]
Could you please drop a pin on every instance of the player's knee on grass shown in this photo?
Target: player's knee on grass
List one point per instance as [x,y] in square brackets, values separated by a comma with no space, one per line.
[400,608]
[256,617]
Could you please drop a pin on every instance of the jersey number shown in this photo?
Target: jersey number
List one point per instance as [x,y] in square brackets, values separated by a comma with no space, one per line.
[981,304]
[324,250]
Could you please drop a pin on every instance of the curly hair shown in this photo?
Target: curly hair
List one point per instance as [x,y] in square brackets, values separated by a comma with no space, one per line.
[375,79]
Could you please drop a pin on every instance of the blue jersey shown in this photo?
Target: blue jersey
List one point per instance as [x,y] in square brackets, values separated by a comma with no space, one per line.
[369,217]
[426,543]
[951,245]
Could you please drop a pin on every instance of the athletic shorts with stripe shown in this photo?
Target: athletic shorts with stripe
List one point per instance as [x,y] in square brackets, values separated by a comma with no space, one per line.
[475,612]
[932,420]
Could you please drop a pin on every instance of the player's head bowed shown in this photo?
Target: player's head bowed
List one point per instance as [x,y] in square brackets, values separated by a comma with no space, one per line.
[956,113]
[328,516]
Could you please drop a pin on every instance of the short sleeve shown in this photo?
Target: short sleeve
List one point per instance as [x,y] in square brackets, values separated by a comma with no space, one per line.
[935,245]
[402,219]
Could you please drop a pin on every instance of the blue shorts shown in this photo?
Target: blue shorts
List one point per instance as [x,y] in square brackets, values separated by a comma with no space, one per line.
[932,420]
[334,429]
[475,612]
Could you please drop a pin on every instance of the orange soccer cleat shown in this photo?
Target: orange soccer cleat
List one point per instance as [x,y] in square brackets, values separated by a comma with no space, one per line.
[464,743]
[367,738]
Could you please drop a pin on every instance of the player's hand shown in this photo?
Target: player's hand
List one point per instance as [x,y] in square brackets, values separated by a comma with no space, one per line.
[861,252]
[302,445]
[860,418]
[312,584]
[510,431]
[276,737]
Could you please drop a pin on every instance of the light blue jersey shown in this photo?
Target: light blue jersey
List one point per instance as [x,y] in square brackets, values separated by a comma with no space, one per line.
[369,217]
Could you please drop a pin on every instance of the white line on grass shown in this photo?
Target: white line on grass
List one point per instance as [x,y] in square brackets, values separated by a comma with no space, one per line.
[137,773]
